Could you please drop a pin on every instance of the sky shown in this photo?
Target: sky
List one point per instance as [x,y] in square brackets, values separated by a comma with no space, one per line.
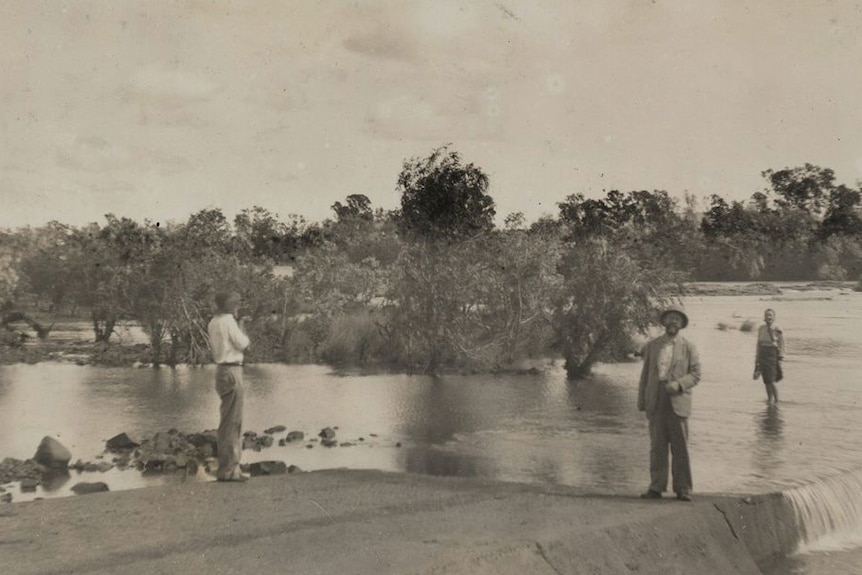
[155,110]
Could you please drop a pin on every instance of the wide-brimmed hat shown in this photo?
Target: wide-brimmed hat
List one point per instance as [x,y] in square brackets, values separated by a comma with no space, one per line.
[674,309]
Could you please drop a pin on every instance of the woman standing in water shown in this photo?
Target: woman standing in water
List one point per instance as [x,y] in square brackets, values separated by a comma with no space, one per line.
[770,352]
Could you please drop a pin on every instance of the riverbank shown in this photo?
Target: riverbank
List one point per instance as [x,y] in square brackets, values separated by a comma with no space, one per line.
[70,340]
[374,522]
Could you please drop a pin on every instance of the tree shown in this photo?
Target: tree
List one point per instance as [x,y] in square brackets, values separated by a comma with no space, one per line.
[805,188]
[262,233]
[357,207]
[605,295]
[843,214]
[443,198]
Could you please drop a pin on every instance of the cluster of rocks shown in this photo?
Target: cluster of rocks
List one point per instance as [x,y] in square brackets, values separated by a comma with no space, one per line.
[165,452]
[50,462]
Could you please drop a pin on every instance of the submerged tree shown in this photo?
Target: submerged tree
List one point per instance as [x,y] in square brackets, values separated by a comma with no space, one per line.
[605,296]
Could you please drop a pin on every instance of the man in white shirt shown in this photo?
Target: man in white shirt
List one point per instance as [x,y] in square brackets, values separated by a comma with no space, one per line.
[227,343]
[671,369]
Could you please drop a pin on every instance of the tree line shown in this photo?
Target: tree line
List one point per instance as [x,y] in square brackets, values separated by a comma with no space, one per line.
[434,284]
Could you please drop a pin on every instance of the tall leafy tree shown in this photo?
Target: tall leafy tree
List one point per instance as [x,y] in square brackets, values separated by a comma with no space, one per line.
[441,197]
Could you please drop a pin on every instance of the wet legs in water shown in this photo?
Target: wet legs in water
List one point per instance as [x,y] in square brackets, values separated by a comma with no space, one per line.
[771,392]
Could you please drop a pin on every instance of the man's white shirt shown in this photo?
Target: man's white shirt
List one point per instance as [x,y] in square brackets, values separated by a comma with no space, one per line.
[227,341]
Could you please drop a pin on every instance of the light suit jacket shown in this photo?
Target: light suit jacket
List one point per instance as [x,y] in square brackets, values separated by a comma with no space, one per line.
[684,368]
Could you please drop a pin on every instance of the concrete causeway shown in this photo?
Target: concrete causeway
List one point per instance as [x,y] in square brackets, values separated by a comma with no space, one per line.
[369,522]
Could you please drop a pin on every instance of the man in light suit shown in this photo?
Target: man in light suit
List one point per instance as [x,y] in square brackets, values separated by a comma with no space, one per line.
[671,368]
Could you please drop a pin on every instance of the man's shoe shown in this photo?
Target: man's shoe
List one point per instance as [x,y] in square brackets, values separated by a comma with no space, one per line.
[683,496]
[650,494]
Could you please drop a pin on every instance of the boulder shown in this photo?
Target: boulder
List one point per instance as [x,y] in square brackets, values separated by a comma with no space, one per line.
[275,429]
[326,433]
[295,436]
[293,469]
[121,442]
[328,443]
[90,467]
[6,498]
[85,488]
[52,454]
[281,443]
[104,466]
[267,468]
[29,484]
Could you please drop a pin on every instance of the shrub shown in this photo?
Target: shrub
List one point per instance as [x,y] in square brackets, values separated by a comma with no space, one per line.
[746,326]
[352,339]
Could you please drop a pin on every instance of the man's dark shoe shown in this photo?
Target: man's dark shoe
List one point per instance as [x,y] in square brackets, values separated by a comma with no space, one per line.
[683,496]
[650,494]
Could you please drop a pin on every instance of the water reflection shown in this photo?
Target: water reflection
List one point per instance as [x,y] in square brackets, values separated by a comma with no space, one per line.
[770,438]
[54,481]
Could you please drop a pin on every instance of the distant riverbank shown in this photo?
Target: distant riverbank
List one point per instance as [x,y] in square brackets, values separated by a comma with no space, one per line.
[125,353]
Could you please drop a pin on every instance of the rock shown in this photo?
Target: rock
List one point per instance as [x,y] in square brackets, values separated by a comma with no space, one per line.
[104,466]
[275,429]
[12,469]
[361,439]
[6,498]
[121,442]
[373,434]
[398,444]
[264,441]
[329,443]
[2,489]
[293,469]
[78,465]
[295,436]
[161,442]
[309,446]
[90,467]
[202,440]
[267,468]
[122,460]
[29,484]
[281,443]
[52,454]
[85,488]
[345,444]
[250,443]
[326,433]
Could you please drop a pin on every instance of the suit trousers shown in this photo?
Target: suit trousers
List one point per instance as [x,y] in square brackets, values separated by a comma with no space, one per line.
[230,389]
[667,429]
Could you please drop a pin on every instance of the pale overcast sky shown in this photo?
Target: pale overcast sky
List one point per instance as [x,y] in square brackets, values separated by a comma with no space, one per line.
[157,109]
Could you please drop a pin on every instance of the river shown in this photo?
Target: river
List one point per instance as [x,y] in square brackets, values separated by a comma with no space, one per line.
[528,428]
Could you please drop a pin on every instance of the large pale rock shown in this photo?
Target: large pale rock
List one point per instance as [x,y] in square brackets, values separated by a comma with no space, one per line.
[52,454]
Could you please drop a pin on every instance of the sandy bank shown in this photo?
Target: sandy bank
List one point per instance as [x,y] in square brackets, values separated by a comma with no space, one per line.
[373,522]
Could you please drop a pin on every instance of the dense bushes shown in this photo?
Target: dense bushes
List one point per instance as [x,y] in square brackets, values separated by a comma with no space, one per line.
[433,285]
